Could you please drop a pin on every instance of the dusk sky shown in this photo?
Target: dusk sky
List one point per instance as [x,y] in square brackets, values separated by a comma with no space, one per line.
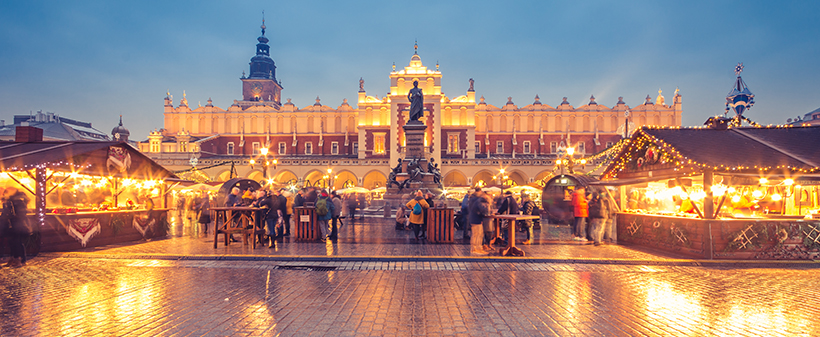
[95,60]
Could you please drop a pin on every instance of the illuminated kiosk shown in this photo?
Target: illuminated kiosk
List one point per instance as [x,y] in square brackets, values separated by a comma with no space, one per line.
[86,194]
[733,193]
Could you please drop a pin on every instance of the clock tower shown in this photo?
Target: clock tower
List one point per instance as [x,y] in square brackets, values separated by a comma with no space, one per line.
[261,84]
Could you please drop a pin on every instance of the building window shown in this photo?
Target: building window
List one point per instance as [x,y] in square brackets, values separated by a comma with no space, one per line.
[477,147]
[230,148]
[355,147]
[582,147]
[499,147]
[527,147]
[256,147]
[183,146]
[452,143]
[378,142]
[308,148]
[334,148]
[283,148]
[553,147]
[154,146]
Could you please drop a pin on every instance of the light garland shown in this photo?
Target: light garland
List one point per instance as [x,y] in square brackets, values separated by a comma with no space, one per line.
[643,140]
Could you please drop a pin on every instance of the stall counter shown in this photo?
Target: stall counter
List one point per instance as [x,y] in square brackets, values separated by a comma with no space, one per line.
[73,231]
[751,238]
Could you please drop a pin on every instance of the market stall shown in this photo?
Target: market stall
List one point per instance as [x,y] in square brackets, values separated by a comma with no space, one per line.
[86,194]
[743,192]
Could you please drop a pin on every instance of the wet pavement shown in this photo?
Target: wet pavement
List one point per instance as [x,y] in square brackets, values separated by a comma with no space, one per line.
[377,281]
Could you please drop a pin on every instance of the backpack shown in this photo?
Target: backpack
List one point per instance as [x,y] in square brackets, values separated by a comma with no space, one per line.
[417,208]
[321,207]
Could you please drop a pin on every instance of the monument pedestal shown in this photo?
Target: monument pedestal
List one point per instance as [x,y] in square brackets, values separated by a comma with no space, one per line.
[413,157]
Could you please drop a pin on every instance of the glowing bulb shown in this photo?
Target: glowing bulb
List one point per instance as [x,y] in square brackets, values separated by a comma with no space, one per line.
[732,190]
[570,151]
[757,194]
[736,199]
[764,181]
[253,161]
[264,151]
[788,182]
[776,197]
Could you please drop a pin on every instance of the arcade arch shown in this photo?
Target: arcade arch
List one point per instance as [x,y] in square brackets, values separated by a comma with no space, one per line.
[454,178]
[315,178]
[484,177]
[344,179]
[374,179]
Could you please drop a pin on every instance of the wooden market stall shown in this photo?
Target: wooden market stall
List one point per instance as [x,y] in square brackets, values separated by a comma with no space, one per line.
[86,194]
[732,193]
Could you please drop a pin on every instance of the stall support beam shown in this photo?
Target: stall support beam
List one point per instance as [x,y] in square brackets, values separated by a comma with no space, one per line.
[694,205]
[709,200]
[40,195]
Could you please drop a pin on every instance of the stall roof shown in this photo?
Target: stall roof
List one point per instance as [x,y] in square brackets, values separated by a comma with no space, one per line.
[748,149]
[87,157]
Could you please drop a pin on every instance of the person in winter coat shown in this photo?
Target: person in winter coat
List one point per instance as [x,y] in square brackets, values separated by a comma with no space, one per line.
[337,212]
[507,206]
[478,209]
[323,219]
[271,212]
[465,217]
[417,220]
[599,210]
[580,209]
[15,205]
[526,208]
[203,208]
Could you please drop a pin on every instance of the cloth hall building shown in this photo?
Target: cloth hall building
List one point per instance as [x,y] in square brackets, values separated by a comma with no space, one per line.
[469,138]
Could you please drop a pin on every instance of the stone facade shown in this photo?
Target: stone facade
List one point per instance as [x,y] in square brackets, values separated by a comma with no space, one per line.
[471,139]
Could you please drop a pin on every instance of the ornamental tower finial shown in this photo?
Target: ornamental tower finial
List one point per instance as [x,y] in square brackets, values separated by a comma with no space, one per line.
[416,47]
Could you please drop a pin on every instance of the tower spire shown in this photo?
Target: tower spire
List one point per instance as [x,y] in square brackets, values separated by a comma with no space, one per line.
[416,47]
[263,22]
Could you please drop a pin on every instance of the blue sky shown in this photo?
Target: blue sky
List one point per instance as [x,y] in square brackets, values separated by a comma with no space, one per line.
[95,60]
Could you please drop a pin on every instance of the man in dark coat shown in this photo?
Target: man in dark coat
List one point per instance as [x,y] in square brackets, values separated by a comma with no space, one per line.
[15,205]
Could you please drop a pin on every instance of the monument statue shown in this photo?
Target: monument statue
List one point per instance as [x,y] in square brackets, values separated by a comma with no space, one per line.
[416,98]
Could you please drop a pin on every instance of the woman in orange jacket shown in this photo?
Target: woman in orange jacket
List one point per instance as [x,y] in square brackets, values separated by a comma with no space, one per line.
[580,209]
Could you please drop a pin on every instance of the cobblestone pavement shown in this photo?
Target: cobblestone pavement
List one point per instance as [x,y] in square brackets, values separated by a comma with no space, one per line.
[378,281]
[144,297]
[373,237]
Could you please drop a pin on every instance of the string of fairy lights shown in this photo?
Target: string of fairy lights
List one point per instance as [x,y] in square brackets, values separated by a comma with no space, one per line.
[670,155]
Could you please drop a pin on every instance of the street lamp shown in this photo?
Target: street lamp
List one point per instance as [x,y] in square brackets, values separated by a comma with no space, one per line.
[329,177]
[568,161]
[263,152]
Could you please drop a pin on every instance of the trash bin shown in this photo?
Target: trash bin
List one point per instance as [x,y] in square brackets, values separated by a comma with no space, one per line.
[440,225]
[306,225]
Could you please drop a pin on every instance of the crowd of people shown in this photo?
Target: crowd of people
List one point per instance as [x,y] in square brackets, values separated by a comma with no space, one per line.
[594,214]
[280,205]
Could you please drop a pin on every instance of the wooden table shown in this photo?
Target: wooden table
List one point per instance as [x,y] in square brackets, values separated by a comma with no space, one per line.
[510,250]
[238,220]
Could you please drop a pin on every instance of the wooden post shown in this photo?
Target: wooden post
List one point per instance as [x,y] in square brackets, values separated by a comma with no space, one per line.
[709,200]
